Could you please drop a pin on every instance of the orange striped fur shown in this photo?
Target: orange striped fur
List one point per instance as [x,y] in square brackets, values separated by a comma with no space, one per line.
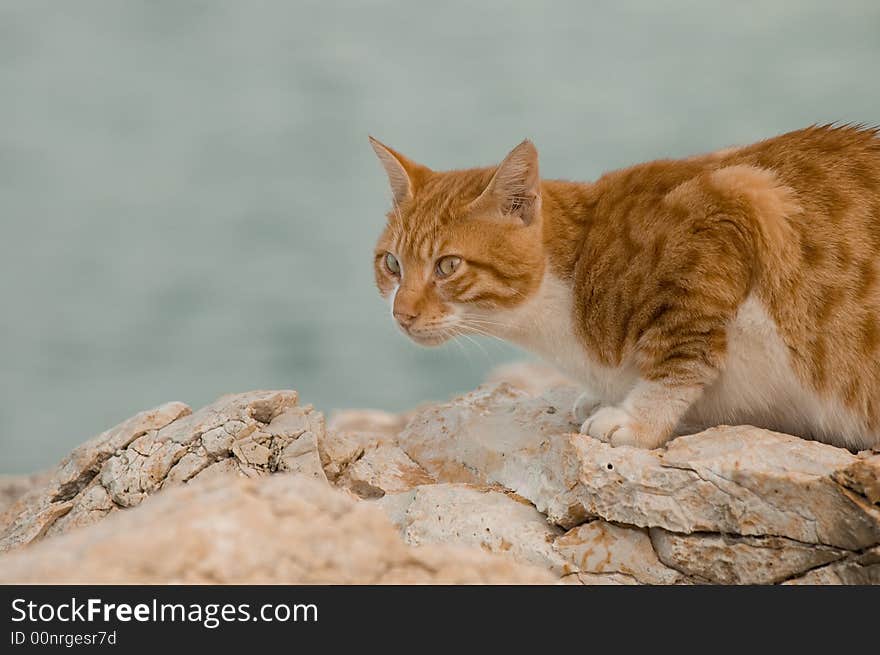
[737,286]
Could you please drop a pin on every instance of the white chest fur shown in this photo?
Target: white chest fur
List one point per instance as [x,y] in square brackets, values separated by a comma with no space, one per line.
[544,326]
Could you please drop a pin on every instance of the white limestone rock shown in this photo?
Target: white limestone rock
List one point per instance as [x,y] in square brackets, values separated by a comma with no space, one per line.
[483,518]
[738,480]
[251,434]
[283,529]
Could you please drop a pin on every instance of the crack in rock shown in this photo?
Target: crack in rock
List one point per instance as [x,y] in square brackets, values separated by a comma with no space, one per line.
[167,446]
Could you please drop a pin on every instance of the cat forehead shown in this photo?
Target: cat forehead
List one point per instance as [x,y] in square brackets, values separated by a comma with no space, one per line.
[422,239]
[440,202]
[445,194]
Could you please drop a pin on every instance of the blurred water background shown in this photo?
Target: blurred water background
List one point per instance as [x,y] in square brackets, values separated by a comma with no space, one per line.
[188,201]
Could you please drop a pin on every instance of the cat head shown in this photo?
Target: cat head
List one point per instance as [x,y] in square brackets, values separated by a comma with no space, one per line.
[460,248]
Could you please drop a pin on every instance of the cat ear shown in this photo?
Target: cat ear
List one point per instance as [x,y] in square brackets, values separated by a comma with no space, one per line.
[403,174]
[516,186]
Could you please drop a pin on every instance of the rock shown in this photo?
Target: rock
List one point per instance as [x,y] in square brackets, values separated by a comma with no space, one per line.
[33,522]
[603,579]
[738,480]
[31,516]
[287,529]
[730,559]
[733,480]
[300,454]
[860,569]
[352,434]
[862,477]
[533,377]
[499,473]
[13,487]
[219,468]
[604,552]
[476,517]
[89,506]
[250,434]
[339,449]
[367,420]
[383,470]
[496,435]
[78,469]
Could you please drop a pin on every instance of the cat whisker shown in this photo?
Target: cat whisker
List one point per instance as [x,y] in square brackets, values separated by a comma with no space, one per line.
[482,332]
[457,332]
[487,329]
[515,292]
[478,330]
[476,343]
[472,321]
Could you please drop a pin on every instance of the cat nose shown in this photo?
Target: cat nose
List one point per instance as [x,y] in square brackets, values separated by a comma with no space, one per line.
[404,318]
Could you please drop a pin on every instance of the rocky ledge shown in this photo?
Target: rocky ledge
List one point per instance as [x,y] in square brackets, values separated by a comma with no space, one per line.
[492,487]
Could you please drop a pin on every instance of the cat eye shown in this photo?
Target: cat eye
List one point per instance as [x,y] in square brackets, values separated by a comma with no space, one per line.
[392,264]
[446,265]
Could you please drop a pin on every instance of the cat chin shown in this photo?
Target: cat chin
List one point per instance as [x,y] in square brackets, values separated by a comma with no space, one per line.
[428,340]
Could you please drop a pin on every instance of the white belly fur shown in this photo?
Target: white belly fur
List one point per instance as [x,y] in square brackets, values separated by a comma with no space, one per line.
[757,386]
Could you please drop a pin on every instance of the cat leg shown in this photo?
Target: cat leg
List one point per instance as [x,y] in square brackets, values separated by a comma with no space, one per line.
[647,418]
[705,262]
[679,353]
[677,328]
[584,406]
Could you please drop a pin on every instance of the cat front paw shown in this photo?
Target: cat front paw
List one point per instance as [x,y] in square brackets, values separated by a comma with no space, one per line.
[616,426]
[607,422]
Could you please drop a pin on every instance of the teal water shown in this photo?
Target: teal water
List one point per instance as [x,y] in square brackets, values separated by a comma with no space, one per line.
[188,202]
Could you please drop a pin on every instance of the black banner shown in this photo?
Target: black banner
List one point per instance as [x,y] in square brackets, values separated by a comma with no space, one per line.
[135,618]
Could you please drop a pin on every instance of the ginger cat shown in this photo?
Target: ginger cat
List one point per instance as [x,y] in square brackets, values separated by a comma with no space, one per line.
[738,287]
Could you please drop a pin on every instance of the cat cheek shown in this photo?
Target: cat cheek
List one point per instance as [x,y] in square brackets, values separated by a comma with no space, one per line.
[451,290]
